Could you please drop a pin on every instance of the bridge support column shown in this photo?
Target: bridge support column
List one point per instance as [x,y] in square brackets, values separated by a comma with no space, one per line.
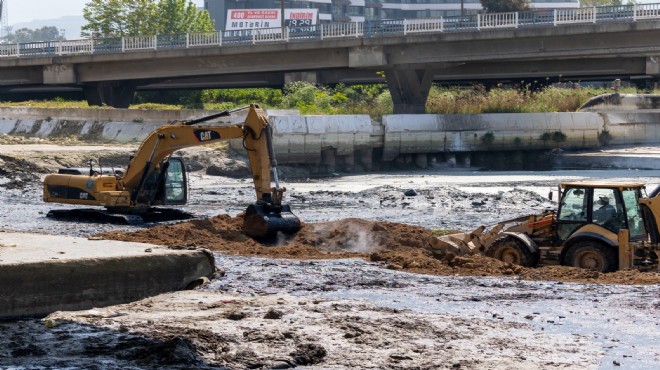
[409,89]
[311,77]
[117,94]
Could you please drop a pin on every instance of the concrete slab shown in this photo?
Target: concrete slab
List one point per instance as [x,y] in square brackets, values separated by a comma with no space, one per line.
[640,158]
[40,274]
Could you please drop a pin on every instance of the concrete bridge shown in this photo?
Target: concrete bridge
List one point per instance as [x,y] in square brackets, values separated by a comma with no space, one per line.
[574,44]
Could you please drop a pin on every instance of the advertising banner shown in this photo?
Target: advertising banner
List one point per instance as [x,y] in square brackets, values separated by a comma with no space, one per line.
[245,19]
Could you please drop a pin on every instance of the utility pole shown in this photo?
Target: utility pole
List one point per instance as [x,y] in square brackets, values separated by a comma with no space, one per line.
[4,22]
[282,15]
[462,9]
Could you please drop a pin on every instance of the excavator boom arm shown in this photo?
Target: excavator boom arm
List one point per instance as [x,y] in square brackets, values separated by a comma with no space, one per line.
[164,141]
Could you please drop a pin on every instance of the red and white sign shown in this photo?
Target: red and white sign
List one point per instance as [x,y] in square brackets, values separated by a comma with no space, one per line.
[245,19]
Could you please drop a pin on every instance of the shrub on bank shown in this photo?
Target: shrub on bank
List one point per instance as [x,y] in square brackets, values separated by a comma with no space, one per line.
[374,100]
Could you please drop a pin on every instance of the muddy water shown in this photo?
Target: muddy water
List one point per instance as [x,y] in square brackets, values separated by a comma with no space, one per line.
[615,324]
[621,322]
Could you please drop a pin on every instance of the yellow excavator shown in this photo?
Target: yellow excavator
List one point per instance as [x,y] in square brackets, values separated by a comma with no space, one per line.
[155,178]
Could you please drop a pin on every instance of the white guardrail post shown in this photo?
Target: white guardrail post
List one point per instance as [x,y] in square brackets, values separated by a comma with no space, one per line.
[554,17]
[594,14]
[479,22]
[155,42]
[123,45]
[517,20]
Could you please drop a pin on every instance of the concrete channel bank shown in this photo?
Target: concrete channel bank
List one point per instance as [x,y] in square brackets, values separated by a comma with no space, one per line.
[341,141]
[40,274]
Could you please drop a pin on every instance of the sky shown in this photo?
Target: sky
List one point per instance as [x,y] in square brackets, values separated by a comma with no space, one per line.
[28,10]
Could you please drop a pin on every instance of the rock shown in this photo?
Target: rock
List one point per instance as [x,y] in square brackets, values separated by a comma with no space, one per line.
[229,168]
[410,193]
[309,354]
[236,315]
[273,314]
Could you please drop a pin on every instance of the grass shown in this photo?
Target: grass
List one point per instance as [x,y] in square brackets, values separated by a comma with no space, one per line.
[374,100]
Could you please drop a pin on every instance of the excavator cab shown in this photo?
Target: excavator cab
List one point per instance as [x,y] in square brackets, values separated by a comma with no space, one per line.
[174,187]
[166,184]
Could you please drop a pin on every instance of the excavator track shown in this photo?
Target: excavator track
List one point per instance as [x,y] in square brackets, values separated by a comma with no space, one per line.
[153,215]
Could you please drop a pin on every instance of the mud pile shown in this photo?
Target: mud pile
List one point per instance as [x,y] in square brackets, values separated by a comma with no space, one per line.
[392,245]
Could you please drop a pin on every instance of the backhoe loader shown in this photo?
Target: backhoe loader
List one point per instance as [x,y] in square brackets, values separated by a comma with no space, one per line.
[602,226]
[155,178]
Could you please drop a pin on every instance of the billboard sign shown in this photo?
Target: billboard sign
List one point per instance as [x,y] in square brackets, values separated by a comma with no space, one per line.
[245,19]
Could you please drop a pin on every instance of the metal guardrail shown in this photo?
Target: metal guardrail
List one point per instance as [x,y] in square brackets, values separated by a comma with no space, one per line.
[324,31]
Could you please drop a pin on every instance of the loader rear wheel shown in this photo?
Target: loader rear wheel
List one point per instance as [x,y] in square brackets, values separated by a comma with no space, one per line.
[592,255]
[514,251]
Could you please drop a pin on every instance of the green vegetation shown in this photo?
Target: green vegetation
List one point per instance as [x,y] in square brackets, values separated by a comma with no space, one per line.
[117,18]
[556,136]
[374,100]
[504,6]
[48,33]
[605,137]
[488,138]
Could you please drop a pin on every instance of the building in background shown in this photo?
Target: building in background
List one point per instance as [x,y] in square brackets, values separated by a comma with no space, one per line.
[4,21]
[362,10]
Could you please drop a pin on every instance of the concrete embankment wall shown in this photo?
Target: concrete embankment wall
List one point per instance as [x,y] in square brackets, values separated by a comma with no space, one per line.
[40,274]
[347,138]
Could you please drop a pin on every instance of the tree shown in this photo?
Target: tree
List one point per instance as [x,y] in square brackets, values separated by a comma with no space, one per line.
[586,3]
[48,33]
[182,16]
[117,18]
[504,6]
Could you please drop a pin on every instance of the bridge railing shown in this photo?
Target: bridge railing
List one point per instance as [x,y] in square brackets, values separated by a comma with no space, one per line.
[107,45]
[263,35]
[497,20]
[468,22]
[9,50]
[203,39]
[172,41]
[37,49]
[139,43]
[647,11]
[339,30]
[74,47]
[571,16]
[423,25]
[615,13]
[372,29]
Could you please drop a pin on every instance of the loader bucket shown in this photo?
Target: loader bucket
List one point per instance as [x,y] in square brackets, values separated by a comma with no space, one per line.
[262,221]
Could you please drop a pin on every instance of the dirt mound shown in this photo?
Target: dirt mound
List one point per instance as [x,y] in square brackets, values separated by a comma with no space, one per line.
[394,246]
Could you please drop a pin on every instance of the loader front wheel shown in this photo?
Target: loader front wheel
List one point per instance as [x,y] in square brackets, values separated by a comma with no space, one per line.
[514,251]
[592,255]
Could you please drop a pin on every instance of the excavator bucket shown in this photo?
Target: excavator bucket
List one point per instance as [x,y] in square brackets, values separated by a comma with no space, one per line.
[263,221]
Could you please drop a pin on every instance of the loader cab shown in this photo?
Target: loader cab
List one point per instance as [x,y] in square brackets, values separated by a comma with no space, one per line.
[609,205]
